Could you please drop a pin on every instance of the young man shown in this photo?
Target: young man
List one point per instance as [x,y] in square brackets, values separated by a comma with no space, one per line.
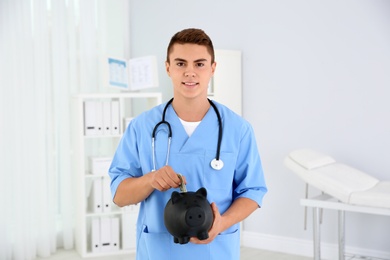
[144,174]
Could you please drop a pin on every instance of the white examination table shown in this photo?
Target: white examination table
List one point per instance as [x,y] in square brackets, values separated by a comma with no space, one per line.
[345,189]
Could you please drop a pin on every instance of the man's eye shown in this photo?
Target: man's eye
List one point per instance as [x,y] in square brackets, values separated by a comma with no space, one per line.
[200,64]
[180,64]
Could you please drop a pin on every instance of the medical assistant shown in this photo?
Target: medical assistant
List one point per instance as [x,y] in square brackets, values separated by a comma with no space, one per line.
[241,176]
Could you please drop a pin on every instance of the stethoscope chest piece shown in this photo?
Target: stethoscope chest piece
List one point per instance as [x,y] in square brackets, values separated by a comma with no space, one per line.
[216,164]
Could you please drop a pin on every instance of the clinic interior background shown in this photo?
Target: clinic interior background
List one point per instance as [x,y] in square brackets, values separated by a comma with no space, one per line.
[316,74]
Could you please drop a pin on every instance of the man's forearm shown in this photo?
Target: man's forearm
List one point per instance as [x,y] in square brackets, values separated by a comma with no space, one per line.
[132,191]
[238,211]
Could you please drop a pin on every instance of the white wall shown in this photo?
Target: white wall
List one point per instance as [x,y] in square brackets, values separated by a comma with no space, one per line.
[315,74]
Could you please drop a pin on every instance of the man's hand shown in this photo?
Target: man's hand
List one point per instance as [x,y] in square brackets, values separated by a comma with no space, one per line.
[216,228]
[238,211]
[165,178]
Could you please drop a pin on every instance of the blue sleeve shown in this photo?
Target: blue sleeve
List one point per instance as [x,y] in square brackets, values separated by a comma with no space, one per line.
[249,177]
[125,163]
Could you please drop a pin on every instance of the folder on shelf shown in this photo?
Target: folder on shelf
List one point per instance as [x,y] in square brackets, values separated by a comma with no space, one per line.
[106,195]
[96,196]
[93,118]
[115,117]
[95,235]
[106,117]
[129,223]
[99,165]
[99,117]
[126,122]
[105,234]
[114,234]
[90,118]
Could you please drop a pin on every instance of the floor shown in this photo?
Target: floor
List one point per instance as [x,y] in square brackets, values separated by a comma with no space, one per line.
[246,254]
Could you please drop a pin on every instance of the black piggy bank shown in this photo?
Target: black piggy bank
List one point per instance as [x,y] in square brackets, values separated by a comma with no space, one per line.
[188,214]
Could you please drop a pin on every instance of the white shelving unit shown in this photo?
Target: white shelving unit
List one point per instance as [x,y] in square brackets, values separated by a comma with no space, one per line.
[86,146]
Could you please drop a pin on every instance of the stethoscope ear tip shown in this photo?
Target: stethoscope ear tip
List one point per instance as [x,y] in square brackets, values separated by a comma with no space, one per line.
[216,164]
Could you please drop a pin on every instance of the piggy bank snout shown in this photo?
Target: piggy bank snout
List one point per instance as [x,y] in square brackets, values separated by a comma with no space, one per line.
[188,215]
[195,216]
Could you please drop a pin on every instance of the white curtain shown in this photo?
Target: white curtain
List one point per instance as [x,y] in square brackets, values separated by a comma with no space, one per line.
[49,50]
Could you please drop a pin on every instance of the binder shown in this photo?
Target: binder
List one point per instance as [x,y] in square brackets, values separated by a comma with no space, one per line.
[105,234]
[99,165]
[99,117]
[106,117]
[129,225]
[115,118]
[106,195]
[90,118]
[114,234]
[126,122]
[95,235]
[96,196]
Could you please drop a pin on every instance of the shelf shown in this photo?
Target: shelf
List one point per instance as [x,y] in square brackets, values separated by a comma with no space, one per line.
[89,188]
[101,136]
[112,253]
[89,175]
[102,214]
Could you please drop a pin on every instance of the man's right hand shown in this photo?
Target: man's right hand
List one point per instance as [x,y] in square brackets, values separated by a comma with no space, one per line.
[165,178]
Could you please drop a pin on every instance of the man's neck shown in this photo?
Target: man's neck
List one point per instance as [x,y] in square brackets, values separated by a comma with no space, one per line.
[191,110]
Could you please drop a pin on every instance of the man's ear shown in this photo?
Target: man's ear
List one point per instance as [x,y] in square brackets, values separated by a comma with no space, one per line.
[213,66]
[167,68]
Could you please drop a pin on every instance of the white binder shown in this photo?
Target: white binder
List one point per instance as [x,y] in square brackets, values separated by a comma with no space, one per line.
[114,234]
[90,118]
[126,122]
[129,226]
[99,165]
[95,235]
[115,117]
[105,234]
[106,195]
[99,117]
[107,118]
[96,197]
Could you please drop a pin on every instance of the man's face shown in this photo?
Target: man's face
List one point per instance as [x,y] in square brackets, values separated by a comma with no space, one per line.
[190,69]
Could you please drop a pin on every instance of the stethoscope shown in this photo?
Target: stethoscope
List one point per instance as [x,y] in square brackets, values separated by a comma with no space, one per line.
[216,163]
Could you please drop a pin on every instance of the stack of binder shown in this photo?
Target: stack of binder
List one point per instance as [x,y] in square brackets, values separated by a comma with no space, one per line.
[100,199]
[101,118]
[105,234]
[100,196]
[129,226]
[99,165]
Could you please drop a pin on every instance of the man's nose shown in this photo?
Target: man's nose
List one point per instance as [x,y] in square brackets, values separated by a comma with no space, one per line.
[189,72]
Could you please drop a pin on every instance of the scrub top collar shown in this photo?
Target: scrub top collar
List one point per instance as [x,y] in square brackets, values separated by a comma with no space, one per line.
[209,124]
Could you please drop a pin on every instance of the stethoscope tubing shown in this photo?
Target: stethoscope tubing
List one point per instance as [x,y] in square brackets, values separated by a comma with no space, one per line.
[219,129]
[163,121]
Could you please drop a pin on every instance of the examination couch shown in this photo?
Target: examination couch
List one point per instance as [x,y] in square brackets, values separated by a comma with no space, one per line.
[343,187]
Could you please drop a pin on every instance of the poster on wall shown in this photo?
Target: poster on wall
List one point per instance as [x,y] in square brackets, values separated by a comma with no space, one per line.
[117,71]
[134,74]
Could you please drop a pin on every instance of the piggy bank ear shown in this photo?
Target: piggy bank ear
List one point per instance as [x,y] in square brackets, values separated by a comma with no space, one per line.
[202,191]
[175,196]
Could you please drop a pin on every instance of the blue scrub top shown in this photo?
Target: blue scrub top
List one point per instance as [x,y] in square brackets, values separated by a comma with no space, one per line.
[241,176]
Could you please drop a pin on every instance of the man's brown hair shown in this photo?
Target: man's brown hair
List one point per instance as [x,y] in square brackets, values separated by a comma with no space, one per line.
[194,36]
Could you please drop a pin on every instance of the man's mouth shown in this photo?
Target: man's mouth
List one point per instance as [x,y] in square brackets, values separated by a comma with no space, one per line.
[190,84]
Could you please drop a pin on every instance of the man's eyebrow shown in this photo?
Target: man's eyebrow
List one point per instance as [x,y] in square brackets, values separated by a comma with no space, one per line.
[183,60]
[180,59]
[201,60]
